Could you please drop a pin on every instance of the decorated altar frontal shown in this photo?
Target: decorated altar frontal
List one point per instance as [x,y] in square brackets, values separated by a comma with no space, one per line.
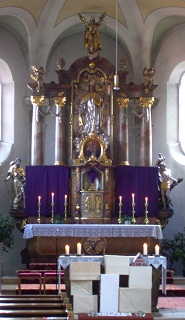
[116,239]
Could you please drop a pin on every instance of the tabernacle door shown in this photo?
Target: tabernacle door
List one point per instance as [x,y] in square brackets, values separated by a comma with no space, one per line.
[92,204]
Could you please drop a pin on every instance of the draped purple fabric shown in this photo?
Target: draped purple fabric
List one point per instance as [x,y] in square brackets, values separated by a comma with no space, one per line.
[42,181]
[92,174]
[143,182]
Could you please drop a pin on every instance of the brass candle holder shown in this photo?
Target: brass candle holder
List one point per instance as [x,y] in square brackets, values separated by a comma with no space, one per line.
[38,218]
[65,211]
[146,220]
[133,219]
[52,212]
[120,219]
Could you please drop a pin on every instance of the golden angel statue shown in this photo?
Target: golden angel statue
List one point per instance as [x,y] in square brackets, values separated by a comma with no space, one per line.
[148,78]
[38,76]
[91,36]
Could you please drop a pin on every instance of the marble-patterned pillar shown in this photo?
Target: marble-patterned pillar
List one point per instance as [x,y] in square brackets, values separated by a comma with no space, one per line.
[123,157]
[37,150]
[146,132]
[60,102]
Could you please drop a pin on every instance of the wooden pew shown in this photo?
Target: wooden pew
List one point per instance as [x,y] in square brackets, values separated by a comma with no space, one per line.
[34,313]
[25,299]
[32,306]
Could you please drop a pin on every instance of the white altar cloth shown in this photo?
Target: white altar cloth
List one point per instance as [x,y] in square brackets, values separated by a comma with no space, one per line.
[92,230]
[155,261]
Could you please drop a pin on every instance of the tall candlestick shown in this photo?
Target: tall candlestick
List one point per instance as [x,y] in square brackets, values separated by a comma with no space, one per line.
[146,220]
[157,250]
[120,219]
[79,248]
[65,197]
[52,197]
[145,249]
[67,249]
[133,220]
[39,204]
[65,208]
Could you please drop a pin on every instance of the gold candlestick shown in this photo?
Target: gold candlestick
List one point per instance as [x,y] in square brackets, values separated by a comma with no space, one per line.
[133,219]
[38,218]
[65,211]
[52,212]
[120,219]
[146,221]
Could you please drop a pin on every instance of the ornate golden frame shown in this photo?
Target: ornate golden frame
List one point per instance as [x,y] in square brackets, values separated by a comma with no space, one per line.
[98,154]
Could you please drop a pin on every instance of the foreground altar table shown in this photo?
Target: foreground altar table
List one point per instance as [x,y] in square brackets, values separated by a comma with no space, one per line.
[119,239]
[154,261]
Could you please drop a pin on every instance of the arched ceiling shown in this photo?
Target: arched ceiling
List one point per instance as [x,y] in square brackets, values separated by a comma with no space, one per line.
[28,17]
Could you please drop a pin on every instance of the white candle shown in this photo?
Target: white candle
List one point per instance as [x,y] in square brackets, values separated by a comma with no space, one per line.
[157,250]
[52,197]
[146,200]
[79,248]
[39,197]
[120,199]
[67,249]
[65,198]
[145,249]
[132,197]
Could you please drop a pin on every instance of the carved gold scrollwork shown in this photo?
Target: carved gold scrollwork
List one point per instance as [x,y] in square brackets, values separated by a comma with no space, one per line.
[78,174]
[106,175]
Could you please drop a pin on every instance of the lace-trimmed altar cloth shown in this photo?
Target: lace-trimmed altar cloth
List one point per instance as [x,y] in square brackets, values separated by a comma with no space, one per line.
[94,230]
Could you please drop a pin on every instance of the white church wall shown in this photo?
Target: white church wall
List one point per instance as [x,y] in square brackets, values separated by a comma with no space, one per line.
[165,120]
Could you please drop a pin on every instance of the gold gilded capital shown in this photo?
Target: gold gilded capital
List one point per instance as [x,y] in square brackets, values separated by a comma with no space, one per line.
[123,101]
[146,102]
[37,100]
[60,101]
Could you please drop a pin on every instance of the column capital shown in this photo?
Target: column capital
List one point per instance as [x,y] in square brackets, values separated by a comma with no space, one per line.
[123,101]
[146,102]
[37,100]
[60,101]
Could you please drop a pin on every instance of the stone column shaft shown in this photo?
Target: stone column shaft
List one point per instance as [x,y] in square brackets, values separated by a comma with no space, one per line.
[146,132]
[123,132]
[60,130]
[37,152]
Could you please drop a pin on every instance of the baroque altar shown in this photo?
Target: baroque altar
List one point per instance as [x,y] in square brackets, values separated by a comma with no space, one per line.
[92,145]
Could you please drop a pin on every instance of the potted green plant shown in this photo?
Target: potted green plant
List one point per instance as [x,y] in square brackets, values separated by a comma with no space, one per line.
[7,225]
[174,249]
[127,219]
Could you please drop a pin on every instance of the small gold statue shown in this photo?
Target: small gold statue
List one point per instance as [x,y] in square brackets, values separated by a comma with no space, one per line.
[38,77]
[91,36]
[148,78]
